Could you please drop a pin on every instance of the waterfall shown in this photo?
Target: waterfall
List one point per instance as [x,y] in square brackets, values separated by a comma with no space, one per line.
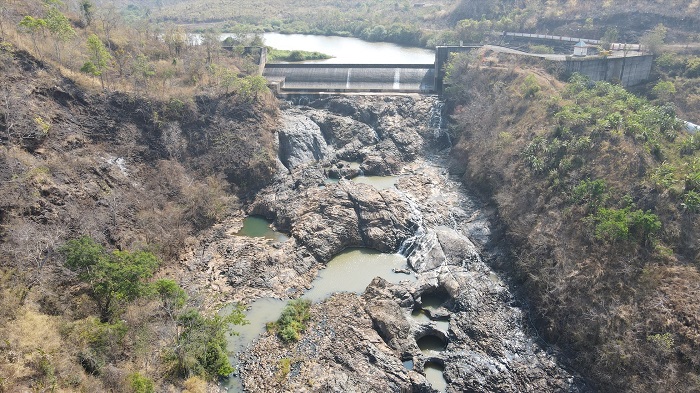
[436,122]
[419,228]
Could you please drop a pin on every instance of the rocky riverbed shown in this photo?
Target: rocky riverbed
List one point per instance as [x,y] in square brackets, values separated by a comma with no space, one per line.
[375,342]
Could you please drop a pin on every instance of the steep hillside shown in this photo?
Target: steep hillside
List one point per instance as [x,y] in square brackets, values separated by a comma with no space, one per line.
[598,192]
[133,174]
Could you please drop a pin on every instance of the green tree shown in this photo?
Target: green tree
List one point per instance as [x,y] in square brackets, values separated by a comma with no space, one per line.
[140,383]
[692,67]
[664,90]
[610,36]
[33,26]
[211,44]
[98,60]
[114,278]
[251,87]
[60,28]
[143,71]
[3,10]
[171,295]
[293,320]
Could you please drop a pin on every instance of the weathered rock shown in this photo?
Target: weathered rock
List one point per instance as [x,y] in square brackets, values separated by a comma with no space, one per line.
[328,220]
[341,352]
[300,141]
[443,246]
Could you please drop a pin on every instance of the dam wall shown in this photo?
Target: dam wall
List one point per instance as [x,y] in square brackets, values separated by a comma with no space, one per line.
[414,78]
[428,78]
[628,71]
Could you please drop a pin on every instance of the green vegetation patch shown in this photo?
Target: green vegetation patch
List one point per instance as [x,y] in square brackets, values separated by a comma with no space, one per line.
[294,55]
[115,278]
[293,320]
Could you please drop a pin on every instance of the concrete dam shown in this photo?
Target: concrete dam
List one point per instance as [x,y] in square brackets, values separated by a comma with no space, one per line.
[404,78]
[302,78]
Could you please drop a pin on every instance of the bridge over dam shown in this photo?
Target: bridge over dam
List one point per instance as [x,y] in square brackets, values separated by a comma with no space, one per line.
[303,78]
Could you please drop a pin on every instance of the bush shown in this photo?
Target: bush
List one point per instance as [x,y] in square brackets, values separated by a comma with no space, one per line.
[530,87]
[692,67]
[644,224]
[664,90]
[195,385]
[200,348]
[140,383]
[542,49]
[692,181]
[611,225]
[285,366]
[691,201]
[614,225]
[114,278]
[592,192]
[293,320]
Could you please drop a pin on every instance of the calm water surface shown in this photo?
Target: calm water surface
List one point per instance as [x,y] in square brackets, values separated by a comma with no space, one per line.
[254,226]
[434,375]
[350,50]
[353,269]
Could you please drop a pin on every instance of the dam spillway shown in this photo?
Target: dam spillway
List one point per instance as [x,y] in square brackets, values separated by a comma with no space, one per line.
[404,78]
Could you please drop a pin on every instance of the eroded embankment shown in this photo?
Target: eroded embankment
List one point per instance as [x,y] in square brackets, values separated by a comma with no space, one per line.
[379,341]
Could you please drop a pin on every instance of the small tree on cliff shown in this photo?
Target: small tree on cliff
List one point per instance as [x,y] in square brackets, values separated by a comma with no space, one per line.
[33,26]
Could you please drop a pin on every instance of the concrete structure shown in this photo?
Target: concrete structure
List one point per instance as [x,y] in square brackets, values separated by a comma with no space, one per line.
[628,71]
[300,78]
[691,127]
[258,54]
[546,37]
[397,78]
[581,49]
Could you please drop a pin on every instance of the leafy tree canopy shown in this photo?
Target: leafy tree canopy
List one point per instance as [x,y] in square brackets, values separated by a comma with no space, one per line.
[115,278]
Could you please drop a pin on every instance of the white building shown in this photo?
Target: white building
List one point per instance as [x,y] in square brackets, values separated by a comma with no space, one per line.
[581,49]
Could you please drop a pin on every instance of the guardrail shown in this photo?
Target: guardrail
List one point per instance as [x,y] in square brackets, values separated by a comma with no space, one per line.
[551,37]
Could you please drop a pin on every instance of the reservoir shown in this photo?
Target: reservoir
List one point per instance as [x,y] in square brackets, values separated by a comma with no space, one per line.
[348,50]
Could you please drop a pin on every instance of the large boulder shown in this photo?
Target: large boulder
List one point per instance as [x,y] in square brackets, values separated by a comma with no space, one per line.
[300,141]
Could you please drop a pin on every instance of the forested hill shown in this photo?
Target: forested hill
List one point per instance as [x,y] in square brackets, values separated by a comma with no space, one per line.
[599,193]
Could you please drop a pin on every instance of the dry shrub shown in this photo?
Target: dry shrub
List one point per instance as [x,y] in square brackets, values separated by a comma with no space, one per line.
[195,384]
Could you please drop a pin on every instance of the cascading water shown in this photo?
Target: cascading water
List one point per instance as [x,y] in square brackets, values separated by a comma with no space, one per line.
[417,217]
[436,123]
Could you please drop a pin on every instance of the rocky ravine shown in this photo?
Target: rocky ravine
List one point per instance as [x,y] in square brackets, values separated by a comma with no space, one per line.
[358,343]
